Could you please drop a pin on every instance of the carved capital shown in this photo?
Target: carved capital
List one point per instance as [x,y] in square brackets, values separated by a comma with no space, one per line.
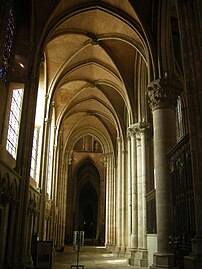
[138,128]
[52,104]
[128,134]
[131,131]
[105,160]
[70,158]
[163,93]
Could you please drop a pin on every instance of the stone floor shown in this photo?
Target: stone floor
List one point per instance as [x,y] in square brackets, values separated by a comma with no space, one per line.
[92,257]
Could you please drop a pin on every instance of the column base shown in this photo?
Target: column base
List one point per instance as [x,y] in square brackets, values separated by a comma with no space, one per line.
[163,261]
[193,262]
[120,251]
[28,262]
[117,249]
[139,257]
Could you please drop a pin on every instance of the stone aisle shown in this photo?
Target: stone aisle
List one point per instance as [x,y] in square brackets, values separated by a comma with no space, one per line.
[92,257]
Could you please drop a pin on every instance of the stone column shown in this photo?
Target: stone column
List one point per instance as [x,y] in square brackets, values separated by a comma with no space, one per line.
[163,95]
[43,181]
[118,195]
[107,212]
[139,185]
[114,205]
[129,193]
[145,168]
[60,203]
[142,160]
[63,201]
[123,247]
[54,177]
[109,202]
[139,255]
[29,232]
[111,193]
[134,220]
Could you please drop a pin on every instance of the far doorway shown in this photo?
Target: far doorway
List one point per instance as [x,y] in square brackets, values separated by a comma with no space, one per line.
[88,209]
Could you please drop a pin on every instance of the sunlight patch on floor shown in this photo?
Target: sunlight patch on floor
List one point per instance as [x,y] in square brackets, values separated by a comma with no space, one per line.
[116,261]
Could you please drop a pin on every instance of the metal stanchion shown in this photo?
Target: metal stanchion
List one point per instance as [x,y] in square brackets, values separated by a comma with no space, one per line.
[78,242]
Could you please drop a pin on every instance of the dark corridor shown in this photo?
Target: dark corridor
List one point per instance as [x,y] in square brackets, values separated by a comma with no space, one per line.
[88,203]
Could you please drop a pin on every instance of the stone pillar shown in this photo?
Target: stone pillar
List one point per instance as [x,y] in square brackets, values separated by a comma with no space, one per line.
[43,182]
[163,95]
[142,134]
[139,255]
[123,247]
[129,193]
[139,185]
[54,182]
[145,168]
[61,190]
[107,212]
[118,195]
[29,232]
[111,193]
[113,217]
[63,202]
[134,219]
[109,202]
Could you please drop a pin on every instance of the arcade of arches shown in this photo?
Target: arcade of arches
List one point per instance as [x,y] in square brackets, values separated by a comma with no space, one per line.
[100,129]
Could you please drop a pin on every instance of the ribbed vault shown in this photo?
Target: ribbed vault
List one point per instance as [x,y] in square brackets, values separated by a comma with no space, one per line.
[91,57]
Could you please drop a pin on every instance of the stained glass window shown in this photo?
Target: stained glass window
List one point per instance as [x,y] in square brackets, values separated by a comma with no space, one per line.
[14,122]
[7,47]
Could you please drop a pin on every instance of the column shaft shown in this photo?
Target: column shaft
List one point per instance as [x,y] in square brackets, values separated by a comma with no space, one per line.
[119,194]
[134,193]
[129,193]
[107,212]
[123,201]
[139,189]
[164,119]
[145,165]
[163,95]
[43,182]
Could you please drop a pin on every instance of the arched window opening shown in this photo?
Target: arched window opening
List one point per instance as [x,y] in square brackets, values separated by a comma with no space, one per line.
[38,130]
[181,119]
[14,122]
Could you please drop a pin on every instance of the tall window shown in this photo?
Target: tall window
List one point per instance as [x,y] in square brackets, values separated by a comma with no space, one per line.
[14,122]
[49,178]
[7,47]
[49,171]
[35,154]
[181,118]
